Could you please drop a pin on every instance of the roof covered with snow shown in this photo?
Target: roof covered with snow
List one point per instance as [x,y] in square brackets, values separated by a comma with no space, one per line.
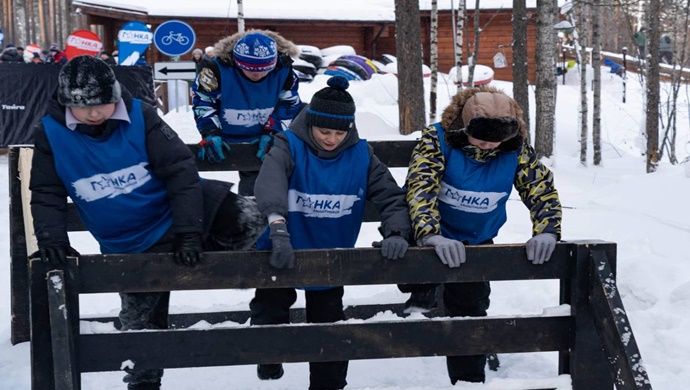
[350,10]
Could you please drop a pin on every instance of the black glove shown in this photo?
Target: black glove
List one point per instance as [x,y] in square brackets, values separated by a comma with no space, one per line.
[394,247]
[282,255]
[56,254]
[188,249]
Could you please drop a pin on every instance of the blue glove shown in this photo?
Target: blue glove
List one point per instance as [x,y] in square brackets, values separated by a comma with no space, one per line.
[211,148]
[540,247]
[451,252]
[394,247]
[265,144]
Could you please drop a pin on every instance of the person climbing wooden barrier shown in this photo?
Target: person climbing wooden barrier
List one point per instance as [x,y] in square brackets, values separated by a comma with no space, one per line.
[590,331]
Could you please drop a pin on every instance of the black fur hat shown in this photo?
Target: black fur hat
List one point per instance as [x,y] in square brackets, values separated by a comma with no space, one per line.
[332,107]
[87,81]
[492,129]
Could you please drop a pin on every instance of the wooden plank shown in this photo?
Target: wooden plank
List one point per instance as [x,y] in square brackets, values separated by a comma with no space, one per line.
[243,156]
[335,267]
[327,342]
[614,328]
[19,267]
[41,343]
[297,315]
[24,168]
[589,367]
[75,224]
[65,370]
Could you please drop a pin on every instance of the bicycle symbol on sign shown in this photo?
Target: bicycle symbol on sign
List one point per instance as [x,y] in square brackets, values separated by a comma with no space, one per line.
[177,37]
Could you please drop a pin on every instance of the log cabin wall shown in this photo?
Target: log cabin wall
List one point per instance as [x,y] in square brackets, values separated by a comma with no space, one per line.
[370,39]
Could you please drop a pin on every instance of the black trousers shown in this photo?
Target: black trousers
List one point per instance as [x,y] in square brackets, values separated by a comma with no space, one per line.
[247,180]
[146,311]
[235,226]
[272,306]
[466,300]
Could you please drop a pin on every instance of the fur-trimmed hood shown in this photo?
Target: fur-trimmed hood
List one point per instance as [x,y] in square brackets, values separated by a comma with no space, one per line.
[485,113]
[223,48]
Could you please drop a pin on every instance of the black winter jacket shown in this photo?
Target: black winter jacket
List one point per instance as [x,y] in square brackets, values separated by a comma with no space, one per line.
[169,159]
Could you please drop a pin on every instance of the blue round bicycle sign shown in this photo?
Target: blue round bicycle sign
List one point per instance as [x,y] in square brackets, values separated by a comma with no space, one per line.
[174,38]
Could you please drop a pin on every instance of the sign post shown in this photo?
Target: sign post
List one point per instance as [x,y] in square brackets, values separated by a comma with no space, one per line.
[183,70]
[174,38]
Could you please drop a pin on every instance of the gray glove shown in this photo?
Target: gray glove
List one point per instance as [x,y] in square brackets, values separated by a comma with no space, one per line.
[394,247]
[282,255]
[540,247]
[451,252]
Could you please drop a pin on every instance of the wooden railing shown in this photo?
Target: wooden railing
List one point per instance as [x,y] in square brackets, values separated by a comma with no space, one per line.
[594,340]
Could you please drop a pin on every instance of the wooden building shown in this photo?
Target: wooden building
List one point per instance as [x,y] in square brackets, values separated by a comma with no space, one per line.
[371,35]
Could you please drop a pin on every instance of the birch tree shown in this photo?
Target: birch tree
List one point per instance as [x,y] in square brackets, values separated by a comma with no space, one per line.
[582,63]
[472,60]
[459,42]
[434,60]
[597,11]
[240,16]
[546,79]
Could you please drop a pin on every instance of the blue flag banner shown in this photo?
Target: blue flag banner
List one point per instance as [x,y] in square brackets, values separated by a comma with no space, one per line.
[1,36]
[133,38]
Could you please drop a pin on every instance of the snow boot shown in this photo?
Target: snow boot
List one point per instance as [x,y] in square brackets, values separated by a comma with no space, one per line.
[269,371]
[421,301]
[144,386]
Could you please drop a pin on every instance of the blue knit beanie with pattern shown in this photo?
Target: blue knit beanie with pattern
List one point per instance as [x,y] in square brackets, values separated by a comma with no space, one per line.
[256,52]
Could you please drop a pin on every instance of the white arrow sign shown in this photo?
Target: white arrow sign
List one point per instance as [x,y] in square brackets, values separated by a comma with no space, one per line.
[183,70]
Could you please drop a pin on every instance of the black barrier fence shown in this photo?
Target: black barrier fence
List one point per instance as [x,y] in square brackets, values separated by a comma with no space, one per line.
[26,90]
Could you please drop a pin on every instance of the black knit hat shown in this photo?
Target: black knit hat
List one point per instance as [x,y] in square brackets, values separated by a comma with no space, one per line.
[332,107]
[87,81]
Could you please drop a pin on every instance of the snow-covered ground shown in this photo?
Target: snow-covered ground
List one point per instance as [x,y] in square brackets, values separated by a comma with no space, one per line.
[645,214]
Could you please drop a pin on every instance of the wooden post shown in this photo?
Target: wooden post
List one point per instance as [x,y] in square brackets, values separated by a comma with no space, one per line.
[19,267]
[589,367]
[41,344]
[65,371]
[25,156]
[614,328]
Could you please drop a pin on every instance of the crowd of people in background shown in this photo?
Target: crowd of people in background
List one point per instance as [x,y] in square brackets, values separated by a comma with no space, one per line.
[52,55]
[18,54]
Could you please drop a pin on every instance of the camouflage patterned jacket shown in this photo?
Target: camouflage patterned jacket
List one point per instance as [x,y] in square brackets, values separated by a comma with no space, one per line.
[533,181]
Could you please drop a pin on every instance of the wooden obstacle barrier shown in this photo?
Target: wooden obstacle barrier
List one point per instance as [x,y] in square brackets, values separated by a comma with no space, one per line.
[594,340]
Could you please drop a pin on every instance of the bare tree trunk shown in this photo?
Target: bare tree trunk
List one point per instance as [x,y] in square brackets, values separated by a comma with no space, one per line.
[475,50]
[597,11]
[407,43]
[240,16]
[652,123]
[41,22]
[51,18]
[22,21]
[459,30]
[546,79]
[434,60]
[584,107]
[520,69]
[681,17]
